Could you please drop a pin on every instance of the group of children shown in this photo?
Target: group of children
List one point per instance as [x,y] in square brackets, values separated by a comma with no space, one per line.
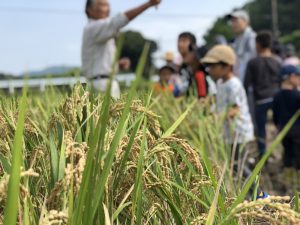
[275,86]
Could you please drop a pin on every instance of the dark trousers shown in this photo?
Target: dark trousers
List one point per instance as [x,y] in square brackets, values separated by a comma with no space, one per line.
[261,111]
[291,144]
[238,156]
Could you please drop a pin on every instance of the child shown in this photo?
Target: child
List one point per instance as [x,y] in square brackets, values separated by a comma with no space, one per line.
[231,98]
[262,75]
[286,104]
[169,82]
[185,41]
[200,82]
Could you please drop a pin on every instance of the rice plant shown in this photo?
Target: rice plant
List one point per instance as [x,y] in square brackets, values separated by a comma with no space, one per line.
[83,158]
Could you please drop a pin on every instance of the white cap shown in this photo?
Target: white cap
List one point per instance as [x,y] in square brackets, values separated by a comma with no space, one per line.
[240,14]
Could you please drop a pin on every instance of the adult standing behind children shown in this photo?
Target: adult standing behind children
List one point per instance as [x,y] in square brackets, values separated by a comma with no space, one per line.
[98,44]
[262,75]
[244,43]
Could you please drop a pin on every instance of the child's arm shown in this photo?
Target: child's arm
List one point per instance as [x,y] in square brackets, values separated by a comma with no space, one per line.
[237,98]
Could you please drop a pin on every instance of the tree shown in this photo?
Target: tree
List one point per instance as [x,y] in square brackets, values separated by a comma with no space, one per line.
[220,27]
[133,46]
[4,76]
[261,19]
[293,38]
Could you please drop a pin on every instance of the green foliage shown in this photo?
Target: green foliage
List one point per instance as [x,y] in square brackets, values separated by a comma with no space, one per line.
[220,28]
[133,47]
[12,205]
[261,19]
[261,15]
[135,171]
[293,38]
[141,159]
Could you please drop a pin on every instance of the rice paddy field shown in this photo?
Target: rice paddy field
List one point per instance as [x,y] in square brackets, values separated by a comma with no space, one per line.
[83,158]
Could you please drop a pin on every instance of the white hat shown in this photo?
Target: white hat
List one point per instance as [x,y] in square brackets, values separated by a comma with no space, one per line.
[240,14]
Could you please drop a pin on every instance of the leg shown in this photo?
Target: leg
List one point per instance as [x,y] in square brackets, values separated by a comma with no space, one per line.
[100,85]
[288,152]
[251,103]
[261,111]
[295,136]
[238,157]
[115,90]
[288,170]
[296,147]
[235,149]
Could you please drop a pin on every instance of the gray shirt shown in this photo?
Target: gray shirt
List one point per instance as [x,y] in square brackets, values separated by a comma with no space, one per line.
[98,44]
[245,49]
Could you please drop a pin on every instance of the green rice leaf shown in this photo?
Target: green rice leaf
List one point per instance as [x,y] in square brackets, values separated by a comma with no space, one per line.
[12,204]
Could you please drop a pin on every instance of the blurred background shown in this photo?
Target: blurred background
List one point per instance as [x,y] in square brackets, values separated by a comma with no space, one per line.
[44,37]
[36,35]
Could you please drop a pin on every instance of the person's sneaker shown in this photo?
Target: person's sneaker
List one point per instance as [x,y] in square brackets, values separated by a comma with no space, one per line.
[262,195]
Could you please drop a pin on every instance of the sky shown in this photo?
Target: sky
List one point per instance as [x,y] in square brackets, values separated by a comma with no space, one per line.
[37,34]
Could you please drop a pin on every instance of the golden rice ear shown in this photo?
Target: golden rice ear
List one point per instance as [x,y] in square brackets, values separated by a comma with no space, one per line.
[54,217]
[3,188]
[273,210]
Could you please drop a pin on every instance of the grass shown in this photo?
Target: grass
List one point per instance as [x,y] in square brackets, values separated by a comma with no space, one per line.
[82,158]
[11,207]
[116,163]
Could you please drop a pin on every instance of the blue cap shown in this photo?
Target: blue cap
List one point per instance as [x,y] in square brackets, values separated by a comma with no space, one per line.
[287,70]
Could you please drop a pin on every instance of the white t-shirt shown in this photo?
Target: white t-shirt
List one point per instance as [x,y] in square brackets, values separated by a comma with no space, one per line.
[232,93]
[98,44]
[212,88]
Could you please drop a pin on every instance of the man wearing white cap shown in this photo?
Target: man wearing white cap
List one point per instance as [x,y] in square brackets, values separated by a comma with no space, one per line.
[244,43]
[98,44]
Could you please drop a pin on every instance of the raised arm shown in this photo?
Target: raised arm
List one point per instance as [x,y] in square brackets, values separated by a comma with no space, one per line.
[104,29]
[133,13]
